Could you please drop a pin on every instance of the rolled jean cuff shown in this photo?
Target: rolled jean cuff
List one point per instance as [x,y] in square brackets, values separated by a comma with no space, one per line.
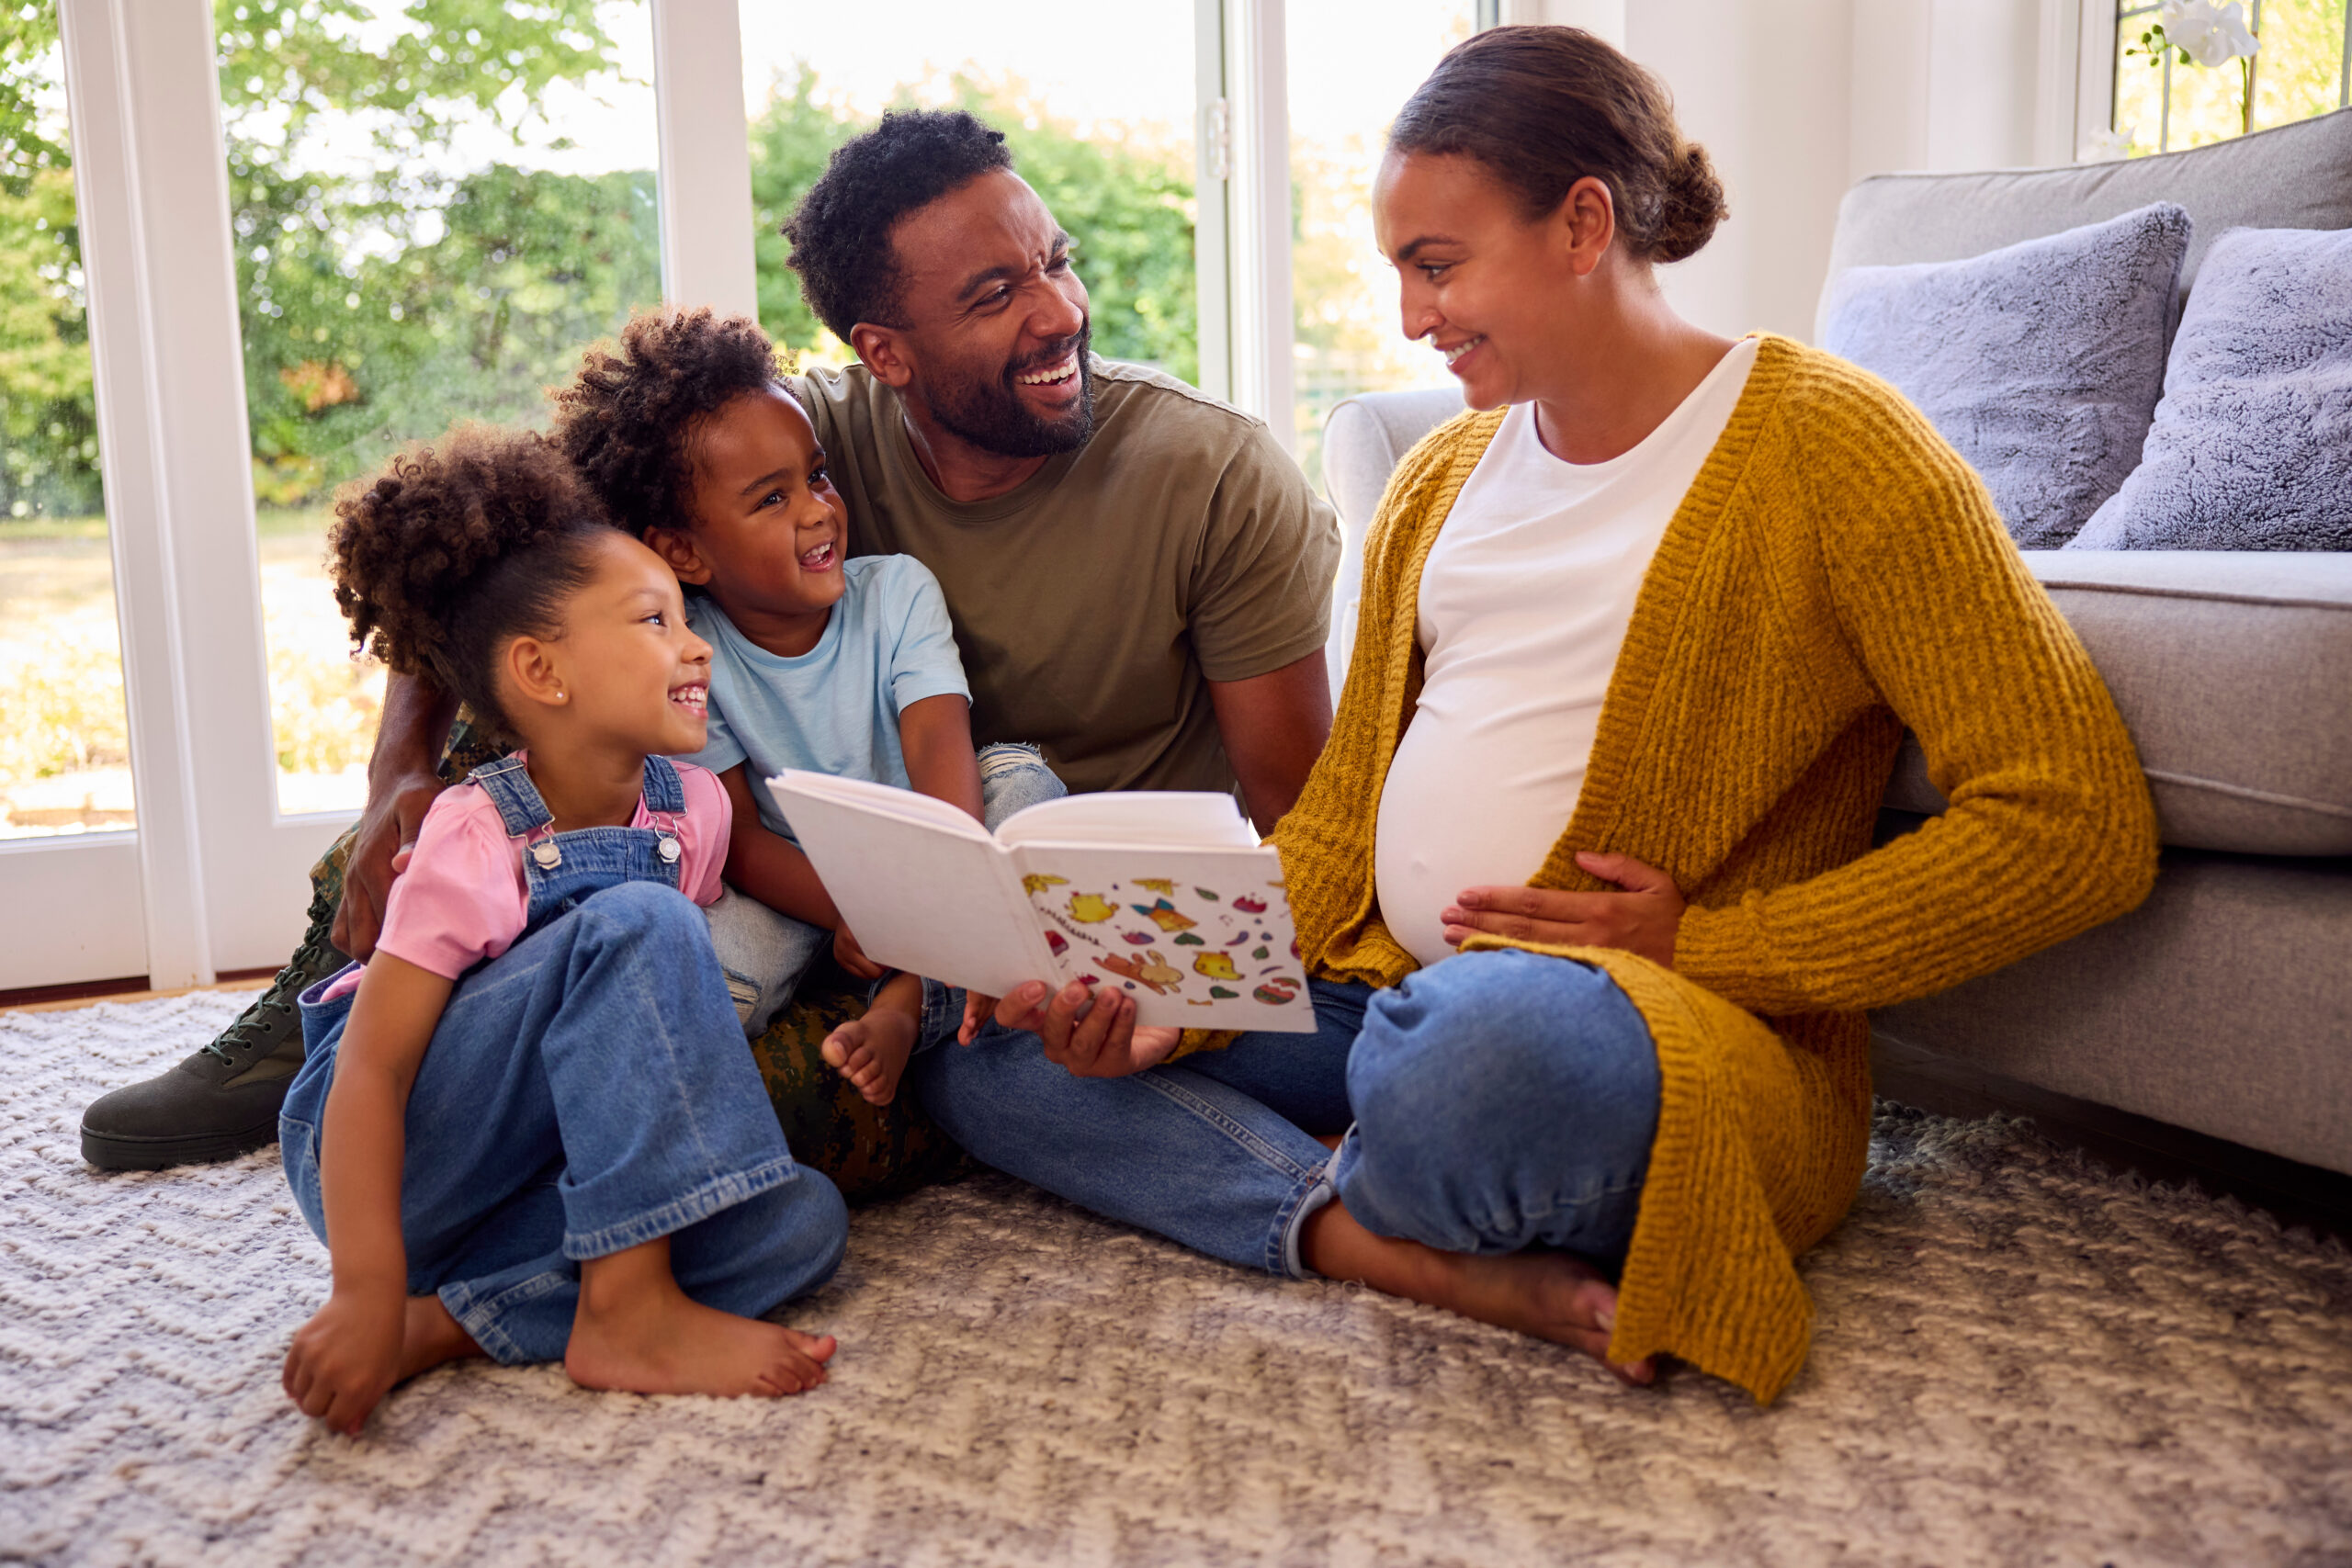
[484,1317]
[1312,1194]
[943,1014]
[652,1224]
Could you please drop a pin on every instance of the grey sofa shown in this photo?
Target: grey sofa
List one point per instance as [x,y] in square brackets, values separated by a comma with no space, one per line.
[2224,1004]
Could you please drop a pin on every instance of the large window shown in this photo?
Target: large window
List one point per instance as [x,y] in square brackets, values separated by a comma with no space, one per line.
[429,224]
[296,235]
[1098,118]
[65,737]
[2302,67]
[1352,65]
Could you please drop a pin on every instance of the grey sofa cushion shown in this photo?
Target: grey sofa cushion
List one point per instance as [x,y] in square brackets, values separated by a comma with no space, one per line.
[2040,362]
[2251,448]
[2219,1004]
[2297,176]
[2231,670]
[1364,438]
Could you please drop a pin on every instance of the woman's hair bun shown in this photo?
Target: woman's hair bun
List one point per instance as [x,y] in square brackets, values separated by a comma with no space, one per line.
[1694,205]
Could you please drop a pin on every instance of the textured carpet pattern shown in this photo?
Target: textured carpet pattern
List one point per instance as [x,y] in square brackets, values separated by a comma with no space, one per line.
[2021,1358]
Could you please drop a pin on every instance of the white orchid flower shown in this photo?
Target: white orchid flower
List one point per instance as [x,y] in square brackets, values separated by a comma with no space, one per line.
[2107,146]
[2213,34]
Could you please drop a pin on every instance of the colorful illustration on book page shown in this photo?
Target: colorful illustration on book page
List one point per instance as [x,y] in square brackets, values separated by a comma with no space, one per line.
[1166,932]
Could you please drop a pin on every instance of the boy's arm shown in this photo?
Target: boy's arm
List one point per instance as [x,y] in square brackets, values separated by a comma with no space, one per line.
[344,1360]
[936,736]
[769,866]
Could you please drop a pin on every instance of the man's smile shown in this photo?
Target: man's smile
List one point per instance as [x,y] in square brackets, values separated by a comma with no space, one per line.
[1061,370]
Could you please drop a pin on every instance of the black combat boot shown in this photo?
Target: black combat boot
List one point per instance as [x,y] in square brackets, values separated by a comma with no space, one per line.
[223,1100]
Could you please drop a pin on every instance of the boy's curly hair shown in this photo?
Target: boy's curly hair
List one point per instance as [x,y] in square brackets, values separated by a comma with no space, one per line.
[840,230]
[627,420]
[457,548]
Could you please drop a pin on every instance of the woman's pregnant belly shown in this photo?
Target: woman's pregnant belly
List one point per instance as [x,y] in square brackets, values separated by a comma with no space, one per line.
[1484,779]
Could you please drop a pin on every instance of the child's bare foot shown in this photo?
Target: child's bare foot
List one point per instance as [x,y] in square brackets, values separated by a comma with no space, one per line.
[429,1335]
[1548,1295]
[872,1051]
[637,1331]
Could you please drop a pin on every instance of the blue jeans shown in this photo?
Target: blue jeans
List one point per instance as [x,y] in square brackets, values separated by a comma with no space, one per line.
[1498,1099]
[764,952]
[587,1091]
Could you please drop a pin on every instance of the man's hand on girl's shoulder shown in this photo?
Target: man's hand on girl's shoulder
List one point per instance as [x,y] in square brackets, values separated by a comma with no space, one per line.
[387,830]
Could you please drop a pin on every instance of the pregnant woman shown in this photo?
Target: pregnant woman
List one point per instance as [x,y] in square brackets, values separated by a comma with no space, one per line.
[1586,876]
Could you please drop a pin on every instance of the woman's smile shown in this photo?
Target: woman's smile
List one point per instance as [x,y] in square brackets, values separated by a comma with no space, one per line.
[1456,352]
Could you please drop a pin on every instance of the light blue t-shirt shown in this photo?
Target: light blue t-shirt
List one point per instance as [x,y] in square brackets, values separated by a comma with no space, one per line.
[835,708]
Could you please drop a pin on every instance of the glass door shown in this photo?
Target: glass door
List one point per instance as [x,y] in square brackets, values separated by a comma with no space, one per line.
[430,223]
[308,235]
[67,804]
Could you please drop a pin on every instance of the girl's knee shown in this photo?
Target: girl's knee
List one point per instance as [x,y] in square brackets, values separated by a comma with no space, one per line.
[635,911]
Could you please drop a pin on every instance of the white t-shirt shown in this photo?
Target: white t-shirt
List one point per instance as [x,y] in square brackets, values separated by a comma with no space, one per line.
[1523,608]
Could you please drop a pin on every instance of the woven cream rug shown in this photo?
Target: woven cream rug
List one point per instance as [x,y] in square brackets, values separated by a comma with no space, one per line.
[2021,1359]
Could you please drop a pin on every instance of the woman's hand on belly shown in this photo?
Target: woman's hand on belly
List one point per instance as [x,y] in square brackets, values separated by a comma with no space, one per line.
[1641,919]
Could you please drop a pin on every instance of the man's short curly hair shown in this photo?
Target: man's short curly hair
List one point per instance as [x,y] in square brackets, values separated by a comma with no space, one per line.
[627,419]
[459,548]
[840,230]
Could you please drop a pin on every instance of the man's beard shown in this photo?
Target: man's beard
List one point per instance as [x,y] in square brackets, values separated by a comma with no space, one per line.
[990,414]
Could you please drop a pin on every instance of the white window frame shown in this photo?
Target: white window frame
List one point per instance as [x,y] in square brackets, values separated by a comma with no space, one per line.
[212,876]
[2094,75]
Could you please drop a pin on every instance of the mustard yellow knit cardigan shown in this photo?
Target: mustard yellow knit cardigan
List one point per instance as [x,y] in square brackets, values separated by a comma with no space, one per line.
[1836,572]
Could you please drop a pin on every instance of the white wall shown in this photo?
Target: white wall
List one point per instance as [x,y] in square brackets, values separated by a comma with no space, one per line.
[1796,100]
[1955,84]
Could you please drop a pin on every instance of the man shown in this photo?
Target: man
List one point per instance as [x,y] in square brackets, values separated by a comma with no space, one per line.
[1140,577]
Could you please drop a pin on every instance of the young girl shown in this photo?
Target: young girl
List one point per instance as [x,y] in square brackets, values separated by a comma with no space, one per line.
[529,1127]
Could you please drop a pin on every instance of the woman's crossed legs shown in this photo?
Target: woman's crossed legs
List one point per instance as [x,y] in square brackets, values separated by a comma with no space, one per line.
[1503,1106]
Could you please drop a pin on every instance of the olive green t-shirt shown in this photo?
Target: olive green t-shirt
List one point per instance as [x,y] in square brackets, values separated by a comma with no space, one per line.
[1094,602]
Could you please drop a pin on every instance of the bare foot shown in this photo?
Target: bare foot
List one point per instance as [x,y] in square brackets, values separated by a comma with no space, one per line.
[872,1051]
[1548,1294]
[637,1331]
[429,1335]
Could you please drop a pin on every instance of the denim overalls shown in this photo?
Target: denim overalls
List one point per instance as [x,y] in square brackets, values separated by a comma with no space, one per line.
[587,1091]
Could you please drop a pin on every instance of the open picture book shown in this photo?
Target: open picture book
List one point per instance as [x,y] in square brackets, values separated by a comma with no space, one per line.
[1167,895]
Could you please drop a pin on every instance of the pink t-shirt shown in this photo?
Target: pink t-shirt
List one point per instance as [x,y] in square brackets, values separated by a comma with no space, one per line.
[462,899]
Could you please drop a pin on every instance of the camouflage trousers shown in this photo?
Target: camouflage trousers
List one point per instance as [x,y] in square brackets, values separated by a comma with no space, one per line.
[870,1152]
